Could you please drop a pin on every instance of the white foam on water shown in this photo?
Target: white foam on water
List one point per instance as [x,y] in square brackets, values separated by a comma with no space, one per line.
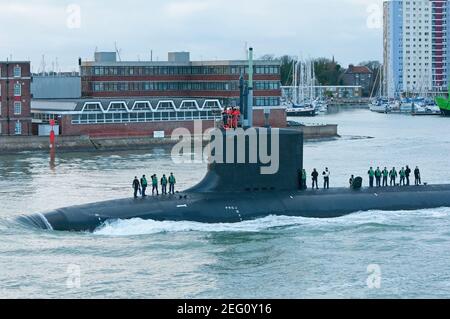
[47,224]
[137,226]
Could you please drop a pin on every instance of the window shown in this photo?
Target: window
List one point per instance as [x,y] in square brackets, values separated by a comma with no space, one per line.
[17,71]
[1,129]
[17,89]
[17,108]
[18,128]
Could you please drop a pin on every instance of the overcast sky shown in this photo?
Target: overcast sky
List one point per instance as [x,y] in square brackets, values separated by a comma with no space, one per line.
[351,30]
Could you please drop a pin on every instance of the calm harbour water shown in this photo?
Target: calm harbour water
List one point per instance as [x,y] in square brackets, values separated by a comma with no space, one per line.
[274,257]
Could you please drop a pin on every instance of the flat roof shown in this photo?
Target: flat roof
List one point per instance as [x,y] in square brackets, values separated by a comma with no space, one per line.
[191,63]
[15,62]
[54,105]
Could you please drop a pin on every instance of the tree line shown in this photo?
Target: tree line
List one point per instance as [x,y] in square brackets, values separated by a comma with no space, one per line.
[328,71]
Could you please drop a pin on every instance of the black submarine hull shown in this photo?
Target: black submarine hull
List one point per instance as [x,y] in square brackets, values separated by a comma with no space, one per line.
[233,208]
[237,188]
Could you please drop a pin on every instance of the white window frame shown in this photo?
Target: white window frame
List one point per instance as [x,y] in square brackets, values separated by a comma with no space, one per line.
[18,85]
[19,73]
[18,128]
[19,106]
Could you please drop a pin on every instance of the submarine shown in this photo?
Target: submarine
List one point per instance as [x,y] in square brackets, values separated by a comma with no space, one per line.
[252,173]
[236,192]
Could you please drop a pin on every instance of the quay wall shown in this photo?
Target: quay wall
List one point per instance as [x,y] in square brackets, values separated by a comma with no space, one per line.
[15,144]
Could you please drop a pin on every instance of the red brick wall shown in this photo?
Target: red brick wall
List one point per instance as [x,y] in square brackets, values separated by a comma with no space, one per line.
[128,129]
[7,107]
[26,127]
[277,119]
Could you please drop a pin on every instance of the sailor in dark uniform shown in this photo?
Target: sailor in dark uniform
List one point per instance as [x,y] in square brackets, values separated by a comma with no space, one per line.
[136,186]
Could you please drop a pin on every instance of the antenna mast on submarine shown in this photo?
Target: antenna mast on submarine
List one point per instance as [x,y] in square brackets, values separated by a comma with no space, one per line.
[249,117]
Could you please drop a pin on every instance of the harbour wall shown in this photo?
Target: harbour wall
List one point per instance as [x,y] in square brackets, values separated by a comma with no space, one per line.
[15,144]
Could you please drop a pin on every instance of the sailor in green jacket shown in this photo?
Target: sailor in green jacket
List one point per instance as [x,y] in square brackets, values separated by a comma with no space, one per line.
[378,177]
[164,185]
[303,179]
[144,185]
[172,182]
[393,174]
[371,173]
[402,177]
[155,185]
[385,173]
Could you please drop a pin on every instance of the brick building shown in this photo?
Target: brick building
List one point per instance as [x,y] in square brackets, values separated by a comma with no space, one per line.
[15,98]
[359,76]
[105,77]
[141,98]
[142,117]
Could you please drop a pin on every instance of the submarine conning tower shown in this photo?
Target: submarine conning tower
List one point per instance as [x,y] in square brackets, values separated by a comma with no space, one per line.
[253,160]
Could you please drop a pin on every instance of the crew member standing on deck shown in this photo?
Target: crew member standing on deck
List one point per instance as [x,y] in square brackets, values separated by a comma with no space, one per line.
[230,117]
[144,185]
[164,185]
[326,179]
[172,182]
[385,173]
[136,186]
[304,179]
[236,114]
[407,174]
[315,179]
[417,179]
[393,174]
[225,118]
[371,173]
[155,185]
[402,176]
[378,177]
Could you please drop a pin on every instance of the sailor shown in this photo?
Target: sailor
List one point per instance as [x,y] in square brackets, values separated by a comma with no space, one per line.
[172,182]
[351,180]
[417,179]
[236,114]
[326,178]
[315,179]
[230,117]
[393,174]
[136,186]
[402,176]
[164,185]
[407,174]
[144,185]
[378,177]
[385,174]
[303,180]
[225,118]
[155,185]
[371,173]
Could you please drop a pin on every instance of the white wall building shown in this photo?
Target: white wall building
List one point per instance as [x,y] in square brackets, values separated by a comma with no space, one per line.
[416,52]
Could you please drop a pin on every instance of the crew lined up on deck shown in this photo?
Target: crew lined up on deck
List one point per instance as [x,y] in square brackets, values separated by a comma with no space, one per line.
[140,186]
[378,177]
[230,117]
[404,175]
[315,179]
